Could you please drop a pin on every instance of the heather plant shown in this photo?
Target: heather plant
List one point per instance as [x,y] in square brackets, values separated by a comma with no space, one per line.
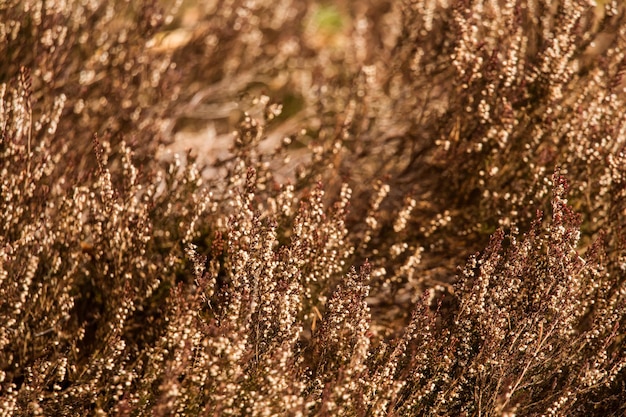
[419,209]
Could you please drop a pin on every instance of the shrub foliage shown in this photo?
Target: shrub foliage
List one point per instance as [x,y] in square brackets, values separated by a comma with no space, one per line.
[420,209]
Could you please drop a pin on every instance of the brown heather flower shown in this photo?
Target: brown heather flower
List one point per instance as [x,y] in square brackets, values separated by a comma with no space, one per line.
[382,208]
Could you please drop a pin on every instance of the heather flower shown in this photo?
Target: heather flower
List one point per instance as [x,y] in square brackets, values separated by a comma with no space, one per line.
[290,208]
